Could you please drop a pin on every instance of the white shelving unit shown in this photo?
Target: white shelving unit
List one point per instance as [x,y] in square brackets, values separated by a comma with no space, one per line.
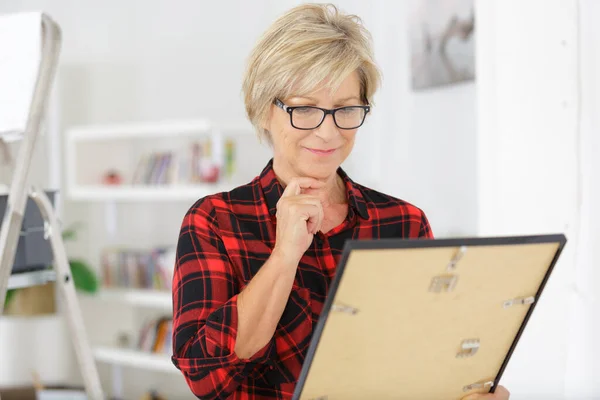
[135,359]
[159,300]
[98,193]
[144,130]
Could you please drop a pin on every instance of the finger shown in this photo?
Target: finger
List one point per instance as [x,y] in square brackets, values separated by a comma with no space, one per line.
[477,396]
[310,211]
[315,221]
[292,189]
[314,217]
[321,217]
[296,185]
[501,393]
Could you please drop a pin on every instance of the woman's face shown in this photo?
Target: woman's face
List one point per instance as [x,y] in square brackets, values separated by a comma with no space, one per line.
[319,152]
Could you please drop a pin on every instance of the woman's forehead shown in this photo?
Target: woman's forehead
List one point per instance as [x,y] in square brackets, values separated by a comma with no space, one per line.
[346,89]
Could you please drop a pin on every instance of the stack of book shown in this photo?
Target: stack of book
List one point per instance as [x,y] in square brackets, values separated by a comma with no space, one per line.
[194,164]
[141,269]
[156,336]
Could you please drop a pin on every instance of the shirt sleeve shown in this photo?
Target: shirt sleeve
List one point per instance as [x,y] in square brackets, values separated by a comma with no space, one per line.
[205,310]
[425,229]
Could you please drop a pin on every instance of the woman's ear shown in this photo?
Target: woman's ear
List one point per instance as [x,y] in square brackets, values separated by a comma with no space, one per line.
[265,128]
[265,124]
[265,136]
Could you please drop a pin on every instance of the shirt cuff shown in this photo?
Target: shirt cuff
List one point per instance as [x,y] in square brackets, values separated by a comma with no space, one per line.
[221,334]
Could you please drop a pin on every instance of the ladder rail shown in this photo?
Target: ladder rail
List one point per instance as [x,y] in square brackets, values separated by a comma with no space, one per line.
[18,193]
[66,288]
[15,209]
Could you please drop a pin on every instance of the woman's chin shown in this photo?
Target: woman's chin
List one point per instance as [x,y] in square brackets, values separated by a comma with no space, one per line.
[319,170]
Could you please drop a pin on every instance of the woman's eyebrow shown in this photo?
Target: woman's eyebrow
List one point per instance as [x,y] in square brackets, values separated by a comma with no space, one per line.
[313,100]
[304,98]
[347,98]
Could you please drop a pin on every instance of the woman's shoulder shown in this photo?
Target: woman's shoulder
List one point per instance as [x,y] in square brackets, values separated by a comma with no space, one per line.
[222,202]
[380,201]
[393,211]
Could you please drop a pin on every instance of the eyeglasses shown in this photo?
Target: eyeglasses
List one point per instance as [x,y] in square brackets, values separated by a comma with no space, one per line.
[310,117]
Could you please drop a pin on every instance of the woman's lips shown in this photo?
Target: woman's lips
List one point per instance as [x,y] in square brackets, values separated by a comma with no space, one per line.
[321,152]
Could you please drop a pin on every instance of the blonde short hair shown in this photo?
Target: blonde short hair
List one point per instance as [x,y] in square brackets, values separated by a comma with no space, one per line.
[310,45]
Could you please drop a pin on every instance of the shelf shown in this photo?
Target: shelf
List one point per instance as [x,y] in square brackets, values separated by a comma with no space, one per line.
[176,128]
[138,297]
[135,359]
[146,193]
[155,129]
[28,279]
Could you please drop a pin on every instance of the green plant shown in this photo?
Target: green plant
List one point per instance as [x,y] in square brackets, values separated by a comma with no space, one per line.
[84,278]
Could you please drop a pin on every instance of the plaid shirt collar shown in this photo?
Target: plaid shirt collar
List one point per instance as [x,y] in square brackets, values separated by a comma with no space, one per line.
[272,191]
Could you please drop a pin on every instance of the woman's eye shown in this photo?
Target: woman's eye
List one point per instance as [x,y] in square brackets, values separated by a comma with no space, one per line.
[348,110]
[304,110]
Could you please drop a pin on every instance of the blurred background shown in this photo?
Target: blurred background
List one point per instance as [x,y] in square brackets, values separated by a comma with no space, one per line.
[487,120]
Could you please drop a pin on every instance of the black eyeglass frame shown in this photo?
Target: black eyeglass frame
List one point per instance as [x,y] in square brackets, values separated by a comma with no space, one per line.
[326,111]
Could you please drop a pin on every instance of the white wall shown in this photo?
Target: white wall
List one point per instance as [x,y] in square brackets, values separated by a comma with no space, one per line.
[530,175]
[428,138]
[583,361]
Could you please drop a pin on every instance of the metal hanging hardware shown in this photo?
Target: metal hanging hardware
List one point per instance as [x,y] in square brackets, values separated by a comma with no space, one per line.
[468,348]
[519,301]
[345,309]
[459,254]
[443,283]
[478,385]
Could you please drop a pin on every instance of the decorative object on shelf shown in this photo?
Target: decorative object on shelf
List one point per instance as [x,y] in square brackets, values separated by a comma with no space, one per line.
[40,299]
[140,269]
[112,177]
[123,340]
[229,158]
[205,169]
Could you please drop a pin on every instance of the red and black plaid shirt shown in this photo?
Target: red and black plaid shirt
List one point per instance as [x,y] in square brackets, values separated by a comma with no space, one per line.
[224,240]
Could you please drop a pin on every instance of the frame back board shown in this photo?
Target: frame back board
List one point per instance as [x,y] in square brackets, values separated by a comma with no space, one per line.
[425,319]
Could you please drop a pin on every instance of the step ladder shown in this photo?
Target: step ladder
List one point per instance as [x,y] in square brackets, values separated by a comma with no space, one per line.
[29,52]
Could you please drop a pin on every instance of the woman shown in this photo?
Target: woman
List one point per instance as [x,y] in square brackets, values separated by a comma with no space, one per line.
[254,264]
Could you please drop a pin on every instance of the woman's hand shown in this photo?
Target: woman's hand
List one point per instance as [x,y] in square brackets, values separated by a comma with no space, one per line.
[299,218]
[500,394]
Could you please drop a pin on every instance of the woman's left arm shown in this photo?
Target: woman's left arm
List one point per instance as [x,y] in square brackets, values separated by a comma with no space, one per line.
[425,228]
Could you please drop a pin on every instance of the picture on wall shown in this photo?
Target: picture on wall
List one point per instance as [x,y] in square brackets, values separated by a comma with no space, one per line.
[442,43]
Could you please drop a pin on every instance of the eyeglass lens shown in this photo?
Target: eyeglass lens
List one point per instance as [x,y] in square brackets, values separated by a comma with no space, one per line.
[310,118]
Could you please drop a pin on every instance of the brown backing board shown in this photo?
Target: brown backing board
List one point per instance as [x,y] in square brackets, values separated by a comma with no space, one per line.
[398,338]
